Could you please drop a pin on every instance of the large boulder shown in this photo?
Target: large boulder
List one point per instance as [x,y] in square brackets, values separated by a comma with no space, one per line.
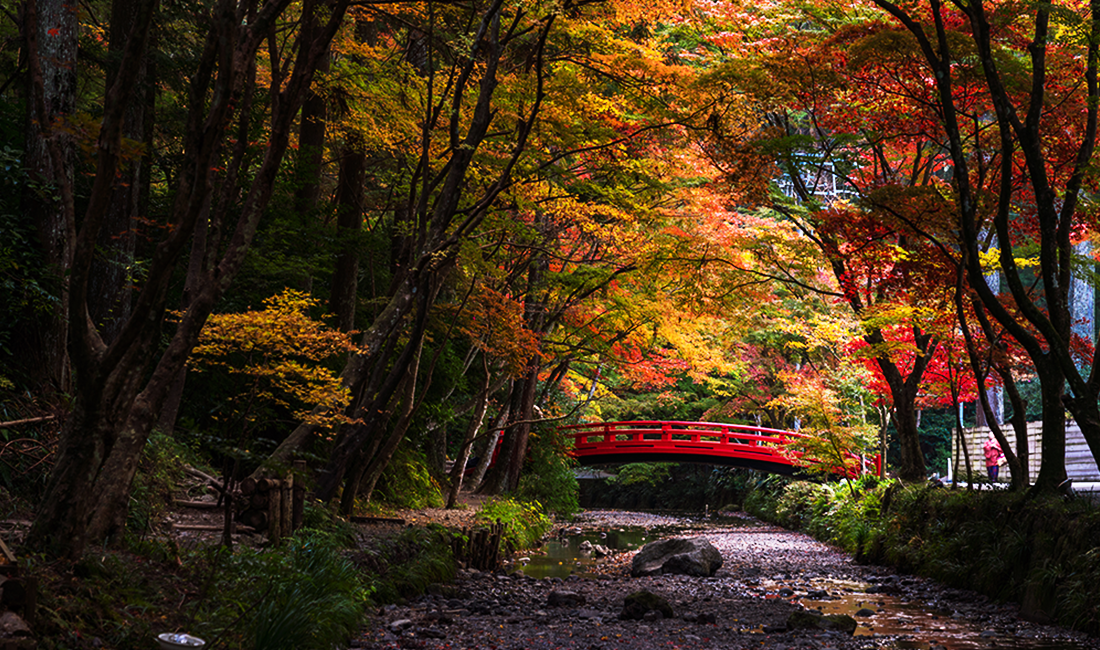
[691,556]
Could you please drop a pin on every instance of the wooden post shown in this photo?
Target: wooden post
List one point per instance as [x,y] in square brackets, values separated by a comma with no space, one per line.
[228,525]
[31,602]
[286,493]
[274,511]
[300,469]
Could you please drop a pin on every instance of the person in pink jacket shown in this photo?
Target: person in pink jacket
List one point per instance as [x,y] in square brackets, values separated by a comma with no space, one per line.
[993,456]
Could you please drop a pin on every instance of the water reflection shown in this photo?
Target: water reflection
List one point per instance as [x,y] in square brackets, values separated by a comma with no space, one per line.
[917,626]
[562,556]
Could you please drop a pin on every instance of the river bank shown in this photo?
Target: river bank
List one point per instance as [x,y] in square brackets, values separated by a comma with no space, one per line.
[767,574]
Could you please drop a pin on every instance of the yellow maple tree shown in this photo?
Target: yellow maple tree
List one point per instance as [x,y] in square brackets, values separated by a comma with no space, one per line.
[275,356]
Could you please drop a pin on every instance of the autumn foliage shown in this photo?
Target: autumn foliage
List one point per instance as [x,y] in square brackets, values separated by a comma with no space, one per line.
[276,357]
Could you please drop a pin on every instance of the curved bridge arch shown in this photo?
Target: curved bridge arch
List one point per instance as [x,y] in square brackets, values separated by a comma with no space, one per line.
[713,443]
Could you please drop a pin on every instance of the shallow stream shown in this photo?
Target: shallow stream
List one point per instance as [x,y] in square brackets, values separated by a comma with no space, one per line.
[916,625]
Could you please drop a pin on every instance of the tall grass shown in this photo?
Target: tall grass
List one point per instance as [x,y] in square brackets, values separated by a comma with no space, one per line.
[305,595]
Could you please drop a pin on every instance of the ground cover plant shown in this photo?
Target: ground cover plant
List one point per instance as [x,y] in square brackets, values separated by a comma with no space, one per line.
[305,594]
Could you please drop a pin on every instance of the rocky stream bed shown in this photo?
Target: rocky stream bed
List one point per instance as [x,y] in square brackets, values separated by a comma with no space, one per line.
[767,574]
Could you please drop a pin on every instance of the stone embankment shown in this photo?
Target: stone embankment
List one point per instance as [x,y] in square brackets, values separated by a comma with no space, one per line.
[766,574]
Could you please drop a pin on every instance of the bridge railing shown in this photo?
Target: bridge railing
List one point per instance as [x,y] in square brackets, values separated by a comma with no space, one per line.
[676,431]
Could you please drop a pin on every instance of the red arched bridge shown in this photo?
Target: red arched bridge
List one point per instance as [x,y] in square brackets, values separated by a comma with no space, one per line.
[740,445]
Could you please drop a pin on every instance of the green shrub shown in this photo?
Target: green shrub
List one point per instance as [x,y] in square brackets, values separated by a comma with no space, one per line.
[548,476]
[524,521]
[795,506]
[406,483]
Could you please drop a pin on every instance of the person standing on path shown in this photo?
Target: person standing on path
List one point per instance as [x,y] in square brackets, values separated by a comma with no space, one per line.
[993,456]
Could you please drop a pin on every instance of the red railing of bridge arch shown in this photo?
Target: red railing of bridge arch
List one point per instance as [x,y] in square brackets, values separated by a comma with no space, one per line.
[712,442]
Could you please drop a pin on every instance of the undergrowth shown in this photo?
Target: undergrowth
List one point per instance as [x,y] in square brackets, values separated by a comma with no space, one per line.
[310,593]
[306,594]
[400,567]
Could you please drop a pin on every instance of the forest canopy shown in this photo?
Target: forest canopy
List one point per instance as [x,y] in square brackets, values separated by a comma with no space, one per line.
[376,235]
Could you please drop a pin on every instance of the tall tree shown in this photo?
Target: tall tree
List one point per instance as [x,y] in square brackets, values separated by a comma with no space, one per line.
[121,385]
[50,33]
[111,278]
[1027,181]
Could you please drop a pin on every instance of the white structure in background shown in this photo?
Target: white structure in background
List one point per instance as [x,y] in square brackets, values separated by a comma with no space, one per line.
[822,181]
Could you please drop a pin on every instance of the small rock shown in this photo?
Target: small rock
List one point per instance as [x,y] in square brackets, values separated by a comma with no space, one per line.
[639,603]
[565,598]
[400,625]
[865,612]
[810,620]
[431,633]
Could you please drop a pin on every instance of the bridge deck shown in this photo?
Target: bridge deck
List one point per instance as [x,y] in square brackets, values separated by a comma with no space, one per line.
[705,442]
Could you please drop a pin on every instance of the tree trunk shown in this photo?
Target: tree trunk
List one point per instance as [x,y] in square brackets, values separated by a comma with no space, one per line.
[51,32]
[523,431]
[911,462]
[497,474]
[1052,469]
[349,223]
[169,412]
[492,440]
[1019,421]
[374,462]
[311,133]
[458,471]
[111,279]
[903,389]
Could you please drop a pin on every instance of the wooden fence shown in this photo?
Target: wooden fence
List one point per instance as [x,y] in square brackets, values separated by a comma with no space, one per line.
[1080,465]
